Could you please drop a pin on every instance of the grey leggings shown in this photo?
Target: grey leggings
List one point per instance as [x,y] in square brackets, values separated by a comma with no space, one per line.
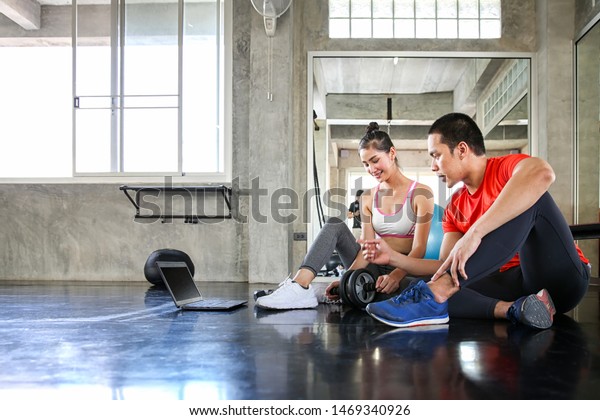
[336,236]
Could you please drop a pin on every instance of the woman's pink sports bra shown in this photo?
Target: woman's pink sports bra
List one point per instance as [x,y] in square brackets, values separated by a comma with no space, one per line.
[401,223]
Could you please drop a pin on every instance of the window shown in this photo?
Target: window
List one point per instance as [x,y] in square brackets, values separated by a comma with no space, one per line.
[132,88]
[505,92]
[35,109]
[357,179]
[440,19]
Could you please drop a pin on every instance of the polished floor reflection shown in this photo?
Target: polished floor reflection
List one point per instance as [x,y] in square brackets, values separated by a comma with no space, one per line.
[128,341]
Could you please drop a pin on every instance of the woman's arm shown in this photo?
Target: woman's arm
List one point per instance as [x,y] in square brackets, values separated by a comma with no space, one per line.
[423,206]
[378,251]
[367,231]
[366,202]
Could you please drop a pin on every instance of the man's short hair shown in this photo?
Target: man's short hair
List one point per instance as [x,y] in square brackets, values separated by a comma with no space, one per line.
[456,127]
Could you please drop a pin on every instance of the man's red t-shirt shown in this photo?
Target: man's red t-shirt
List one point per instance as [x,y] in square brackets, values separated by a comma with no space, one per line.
[464,209]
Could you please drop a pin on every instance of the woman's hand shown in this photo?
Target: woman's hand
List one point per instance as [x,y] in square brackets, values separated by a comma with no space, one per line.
[333,284]
[376,251]
[387,284]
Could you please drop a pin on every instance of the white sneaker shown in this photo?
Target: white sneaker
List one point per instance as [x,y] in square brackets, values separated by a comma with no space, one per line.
[289,295]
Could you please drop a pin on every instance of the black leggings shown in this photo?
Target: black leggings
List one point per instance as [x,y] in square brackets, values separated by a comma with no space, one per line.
[548,257]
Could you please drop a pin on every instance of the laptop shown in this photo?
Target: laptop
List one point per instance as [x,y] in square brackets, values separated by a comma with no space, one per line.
[185,293]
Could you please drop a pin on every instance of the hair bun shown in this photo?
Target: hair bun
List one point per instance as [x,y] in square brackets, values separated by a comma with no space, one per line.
[373,126]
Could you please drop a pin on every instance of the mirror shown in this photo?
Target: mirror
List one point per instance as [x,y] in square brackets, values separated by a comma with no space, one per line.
[405,94]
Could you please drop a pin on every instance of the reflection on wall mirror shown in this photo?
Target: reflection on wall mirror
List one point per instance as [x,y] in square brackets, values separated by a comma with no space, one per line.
[405,95]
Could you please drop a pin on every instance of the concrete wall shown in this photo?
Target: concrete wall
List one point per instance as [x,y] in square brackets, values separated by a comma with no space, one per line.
[555,93]
[86,232]
[588,147]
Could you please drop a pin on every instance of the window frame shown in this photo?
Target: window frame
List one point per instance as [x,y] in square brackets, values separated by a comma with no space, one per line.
[415,19]
[223,177]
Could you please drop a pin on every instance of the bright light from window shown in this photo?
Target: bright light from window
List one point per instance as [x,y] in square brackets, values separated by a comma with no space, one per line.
[35,105]
[358,179]
[442,19]
[129,116]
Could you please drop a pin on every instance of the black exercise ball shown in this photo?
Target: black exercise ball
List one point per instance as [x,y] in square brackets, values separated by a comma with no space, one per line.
[171,255]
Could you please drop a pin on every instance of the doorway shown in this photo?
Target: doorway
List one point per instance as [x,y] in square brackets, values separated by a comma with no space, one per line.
[405,92]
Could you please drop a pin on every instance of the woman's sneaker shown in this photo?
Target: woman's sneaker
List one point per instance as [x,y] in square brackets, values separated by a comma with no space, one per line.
[289,295]
[535,310]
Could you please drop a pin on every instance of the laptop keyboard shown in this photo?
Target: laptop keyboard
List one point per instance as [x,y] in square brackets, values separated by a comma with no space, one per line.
[214,303]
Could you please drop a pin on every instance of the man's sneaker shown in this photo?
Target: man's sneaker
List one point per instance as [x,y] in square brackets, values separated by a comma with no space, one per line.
[289,295]
[414,306]
[535,310]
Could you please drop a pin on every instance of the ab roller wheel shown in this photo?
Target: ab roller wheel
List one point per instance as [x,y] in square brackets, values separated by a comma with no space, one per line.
[361,288]
[357,288]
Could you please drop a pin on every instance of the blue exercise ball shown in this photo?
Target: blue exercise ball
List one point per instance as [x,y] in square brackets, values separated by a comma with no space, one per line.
[436,234]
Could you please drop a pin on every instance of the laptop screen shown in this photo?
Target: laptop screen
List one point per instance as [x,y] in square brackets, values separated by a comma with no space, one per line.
[180,282]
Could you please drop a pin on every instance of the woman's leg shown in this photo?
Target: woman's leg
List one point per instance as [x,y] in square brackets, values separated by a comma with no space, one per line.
[296,293]
[334,236]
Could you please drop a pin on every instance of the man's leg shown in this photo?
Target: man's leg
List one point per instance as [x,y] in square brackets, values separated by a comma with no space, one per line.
[551,236]
[479,300]
[549,258]
[546,249]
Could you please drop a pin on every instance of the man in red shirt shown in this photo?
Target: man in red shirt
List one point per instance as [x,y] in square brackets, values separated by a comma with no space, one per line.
[506,247]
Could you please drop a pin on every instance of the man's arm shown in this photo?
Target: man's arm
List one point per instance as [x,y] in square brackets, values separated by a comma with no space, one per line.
[530,179]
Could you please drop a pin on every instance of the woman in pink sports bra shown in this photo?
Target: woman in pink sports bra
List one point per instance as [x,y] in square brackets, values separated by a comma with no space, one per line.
[399,210]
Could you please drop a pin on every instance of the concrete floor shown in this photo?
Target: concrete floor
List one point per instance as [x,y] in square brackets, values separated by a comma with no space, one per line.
[128,341]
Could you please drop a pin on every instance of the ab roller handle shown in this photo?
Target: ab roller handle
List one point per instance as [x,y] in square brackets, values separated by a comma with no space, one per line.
[368,287]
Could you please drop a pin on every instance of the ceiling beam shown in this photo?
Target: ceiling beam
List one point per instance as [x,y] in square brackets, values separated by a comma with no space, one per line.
[25,13]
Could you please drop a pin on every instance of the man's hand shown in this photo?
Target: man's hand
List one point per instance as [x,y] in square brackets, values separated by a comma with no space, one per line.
[464,248]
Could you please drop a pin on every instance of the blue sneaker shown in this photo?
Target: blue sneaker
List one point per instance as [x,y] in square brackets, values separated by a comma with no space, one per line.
[414,306]
[535,310]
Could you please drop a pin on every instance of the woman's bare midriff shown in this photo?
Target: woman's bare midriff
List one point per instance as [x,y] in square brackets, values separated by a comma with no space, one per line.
[401,245]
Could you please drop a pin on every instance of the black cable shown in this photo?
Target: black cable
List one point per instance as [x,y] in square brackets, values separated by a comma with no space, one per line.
[317,188]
